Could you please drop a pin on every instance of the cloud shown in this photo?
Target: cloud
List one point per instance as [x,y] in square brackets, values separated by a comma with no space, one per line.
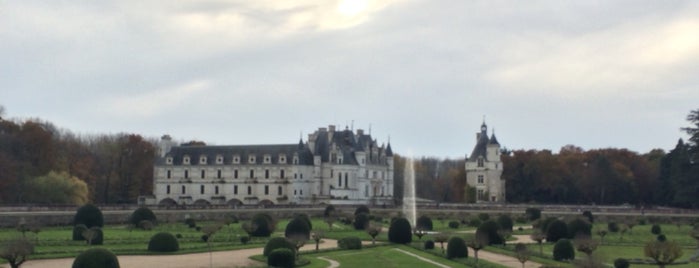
[156,102]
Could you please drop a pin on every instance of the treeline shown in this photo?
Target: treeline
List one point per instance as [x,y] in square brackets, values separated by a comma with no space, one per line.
[440,180]
[40,164]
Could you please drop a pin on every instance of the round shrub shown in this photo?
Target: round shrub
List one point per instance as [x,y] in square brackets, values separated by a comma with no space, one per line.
[190,222]
[655,229]
[361,221]
[589,216]
[142,214]
[400,231]
[456,248]
[533,213]
[163,242]
[612,227]
[579,227]
[424,223]
[89,215]
[305,218]
[265,225]
[661,238]
[351,242]
[490,228]
[563,250]
[505,222]
[543,225]
[96,258]
[475,222]
[297,227]
[621,263]
[556,230]
[429,244]
[454,224]
[329,211]
[281,257]
[277,243]
[78,232]
[483,216]
[362,209]
[244,239]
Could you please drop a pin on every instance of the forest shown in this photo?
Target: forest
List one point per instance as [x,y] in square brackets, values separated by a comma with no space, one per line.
[43,164]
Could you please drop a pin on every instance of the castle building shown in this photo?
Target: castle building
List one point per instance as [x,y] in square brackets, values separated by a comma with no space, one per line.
[331,167]
[484,169]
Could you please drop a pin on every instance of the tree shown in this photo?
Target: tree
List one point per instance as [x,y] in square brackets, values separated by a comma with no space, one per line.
[491,228]
[373,231]
[16,251]
[556,230]
[297,227]
[400,231]
[441,238]
[57,188]
[539,237]
[662,252]
[479,241]
[209,232]
[602,234]
[522,253]
[89,215]
[563,250]
[317,236]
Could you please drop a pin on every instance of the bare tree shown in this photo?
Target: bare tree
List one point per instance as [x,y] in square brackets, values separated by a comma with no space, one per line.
[89,235]
[317,236]
[479,241]
[539,237]
[16,251]
[602,234]
[441,238]
[663,252]
[209,232]
[522,252]
[373,230]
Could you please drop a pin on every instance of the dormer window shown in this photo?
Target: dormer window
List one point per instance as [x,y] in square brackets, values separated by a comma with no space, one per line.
[268,159]
[185,160]
[219,159]
[251,159]
[481,163]
[339,160]
[168,160]
[282,159]
[296,160]
[202,160]
[236,159]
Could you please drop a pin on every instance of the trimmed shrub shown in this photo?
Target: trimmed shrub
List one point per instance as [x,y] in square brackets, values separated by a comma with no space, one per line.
[556,231]
[579,227]
[475,222]
[265,225]
[655,229]
[351,242]
[163,242]
[277,243]
[612,227]
[543,225]
[89,215]
[454,224]
[96,258]
[505,222]
[589,216]
[661,238]
[429,244]
[78,232]
[146,225]
[244,239]
[490,228]
[483,216]
[456,248]
[190,222]
[362,209]
[361,221]
[142,214]
[305,218]
[400,231]
[281,257]
[329,210]
[533,213]
[621,263]
[563,250]
[424,223]
[297,227]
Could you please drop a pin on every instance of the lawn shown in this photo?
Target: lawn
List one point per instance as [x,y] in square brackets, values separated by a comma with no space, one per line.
[387,256]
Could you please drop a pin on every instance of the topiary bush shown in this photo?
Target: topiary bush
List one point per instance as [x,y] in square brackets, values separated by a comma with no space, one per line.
[78,232]
[556,231]
[297,227]
[96,258]
[429,244]
[142,214]
[475,222]
[621,263]
[191,223]
[305,218]
[244,239]
[456,248]
[589,216]
[281,257]
[361,221]
[89,215]
[329,211]
[490,228]
[563,250]
[424,223]
[655,229]
[163,242]
[579,227]
[277,243]
[505,222]
[454,224]
[362,209]
[533,213]
[400,231]
[265,225]
[612,227]
[483,216]
[351,242]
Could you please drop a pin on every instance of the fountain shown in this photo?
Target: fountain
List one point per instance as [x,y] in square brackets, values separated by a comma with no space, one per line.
[409,209]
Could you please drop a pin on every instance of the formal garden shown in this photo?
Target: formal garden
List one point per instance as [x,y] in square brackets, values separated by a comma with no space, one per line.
[355,237]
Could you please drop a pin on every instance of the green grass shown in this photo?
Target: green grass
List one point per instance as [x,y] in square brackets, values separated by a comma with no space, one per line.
[386,256]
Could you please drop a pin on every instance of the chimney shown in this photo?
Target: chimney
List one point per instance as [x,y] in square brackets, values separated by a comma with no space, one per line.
[165,145]
[360,132]
[331,128]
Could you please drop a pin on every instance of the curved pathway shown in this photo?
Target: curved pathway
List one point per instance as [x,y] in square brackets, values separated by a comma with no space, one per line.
[333,263]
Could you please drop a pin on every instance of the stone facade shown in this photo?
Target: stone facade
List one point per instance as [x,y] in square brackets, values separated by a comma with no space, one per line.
[484,169]
[331,167]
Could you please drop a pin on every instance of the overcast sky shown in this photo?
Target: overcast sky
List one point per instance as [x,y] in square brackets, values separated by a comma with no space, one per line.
[545,74]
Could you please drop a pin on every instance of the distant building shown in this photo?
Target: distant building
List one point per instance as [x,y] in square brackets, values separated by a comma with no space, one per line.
[332,167]
[484,169]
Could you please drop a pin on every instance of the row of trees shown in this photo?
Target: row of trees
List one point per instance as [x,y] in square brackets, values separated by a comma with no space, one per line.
[42,164]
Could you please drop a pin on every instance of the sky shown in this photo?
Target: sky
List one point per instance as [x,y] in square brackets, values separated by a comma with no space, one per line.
[422,73]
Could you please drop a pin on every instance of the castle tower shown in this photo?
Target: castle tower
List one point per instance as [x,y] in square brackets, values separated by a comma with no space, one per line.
[484,168]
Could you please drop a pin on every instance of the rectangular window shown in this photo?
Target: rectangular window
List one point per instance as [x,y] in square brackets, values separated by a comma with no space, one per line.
[279,190]
[203,174]
[481,194]
[266,189]
[252,174]
[300,192]
[346,184]
[281,174]
[201,189]
[480,178]
[301,175]
[186,174]
[216,190]
[169,174]
[184,190]
[235,189]
[296,176]
[218,173]
[266,173]
[339,180]
[235,174]
[249,190]
[167,189]
[481,163]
